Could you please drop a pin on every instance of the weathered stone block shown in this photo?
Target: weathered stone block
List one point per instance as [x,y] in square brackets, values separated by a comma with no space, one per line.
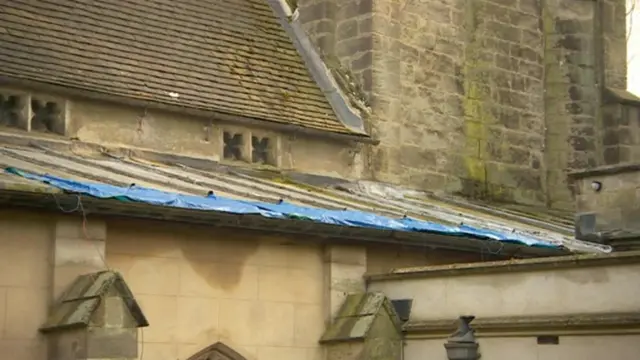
[69,345]
[112,343]
[610,195]
[365,327]
[77,228]
[347,29]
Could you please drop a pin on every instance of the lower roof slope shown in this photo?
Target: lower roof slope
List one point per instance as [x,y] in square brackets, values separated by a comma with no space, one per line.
[229,56]
[269,189]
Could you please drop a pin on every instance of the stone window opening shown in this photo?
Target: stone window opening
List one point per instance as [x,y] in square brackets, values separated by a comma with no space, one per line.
[232,146]
[10,110]
[28,112]
[260,150]
[46,116]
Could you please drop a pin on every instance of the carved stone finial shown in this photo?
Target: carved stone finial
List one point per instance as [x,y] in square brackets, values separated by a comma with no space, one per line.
[462,343]
[464,332]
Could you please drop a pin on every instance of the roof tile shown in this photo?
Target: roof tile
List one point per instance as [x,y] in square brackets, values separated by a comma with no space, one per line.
[230,56]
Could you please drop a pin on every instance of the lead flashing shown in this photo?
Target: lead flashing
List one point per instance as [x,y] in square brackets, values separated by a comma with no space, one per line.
[289,19]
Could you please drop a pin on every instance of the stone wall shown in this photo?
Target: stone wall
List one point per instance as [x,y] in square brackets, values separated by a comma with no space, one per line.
[268,297]
[342,31]
[197,287]
[572,93]
[612,14]
[502,100]
[382,258]
[621,127]
[541,287]
[584,53]
[524,309]
[607,205]
[25,283]
[492,99]
[580,347]
[118,125]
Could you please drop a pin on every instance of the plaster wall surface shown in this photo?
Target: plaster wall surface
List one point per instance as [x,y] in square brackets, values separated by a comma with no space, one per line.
[583,290]
[526,348]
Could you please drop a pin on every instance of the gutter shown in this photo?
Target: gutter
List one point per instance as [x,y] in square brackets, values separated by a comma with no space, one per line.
[317,68]
[37,196]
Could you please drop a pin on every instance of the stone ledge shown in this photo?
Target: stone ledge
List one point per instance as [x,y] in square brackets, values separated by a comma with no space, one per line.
[509,266]
[573,324]
[604,170]
[620,96]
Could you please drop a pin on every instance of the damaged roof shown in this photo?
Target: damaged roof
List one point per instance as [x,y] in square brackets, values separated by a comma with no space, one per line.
[232,57]
[199,177]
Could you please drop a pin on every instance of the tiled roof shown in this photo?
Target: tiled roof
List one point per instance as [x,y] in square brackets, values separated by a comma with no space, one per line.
[194,177]
[229,56]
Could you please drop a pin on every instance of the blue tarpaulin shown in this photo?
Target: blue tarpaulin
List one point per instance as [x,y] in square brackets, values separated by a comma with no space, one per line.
[281,210]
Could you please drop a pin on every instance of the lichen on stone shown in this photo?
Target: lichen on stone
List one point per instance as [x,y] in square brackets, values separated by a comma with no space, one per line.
[477,117]
[348,84]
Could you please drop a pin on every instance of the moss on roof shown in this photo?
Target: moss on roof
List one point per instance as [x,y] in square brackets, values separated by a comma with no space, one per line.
[231,56]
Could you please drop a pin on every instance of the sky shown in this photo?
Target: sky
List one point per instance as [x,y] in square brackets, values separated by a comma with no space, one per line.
[633,47]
